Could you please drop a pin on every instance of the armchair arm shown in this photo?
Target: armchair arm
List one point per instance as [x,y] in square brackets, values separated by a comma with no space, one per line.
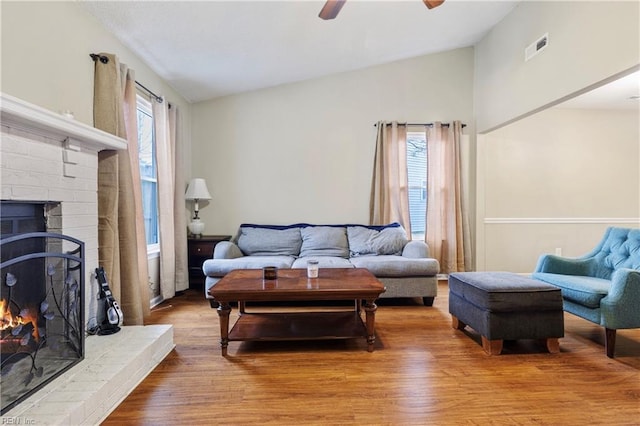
[620,307]
[416,249]
[227,250]
[563,265]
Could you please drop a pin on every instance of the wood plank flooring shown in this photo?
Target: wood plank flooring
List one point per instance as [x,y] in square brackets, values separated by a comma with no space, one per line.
[422,372]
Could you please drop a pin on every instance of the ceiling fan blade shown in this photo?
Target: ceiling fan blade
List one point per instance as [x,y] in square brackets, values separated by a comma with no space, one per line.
[331,8]
[433,3]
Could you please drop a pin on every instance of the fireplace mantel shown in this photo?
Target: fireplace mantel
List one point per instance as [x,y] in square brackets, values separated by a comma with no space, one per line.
[22,115]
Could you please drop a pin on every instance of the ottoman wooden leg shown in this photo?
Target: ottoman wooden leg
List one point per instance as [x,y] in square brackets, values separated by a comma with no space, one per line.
[457,324]
[553,345]
[492,347]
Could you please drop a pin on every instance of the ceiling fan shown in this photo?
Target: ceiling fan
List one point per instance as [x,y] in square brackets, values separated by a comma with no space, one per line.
[332,7]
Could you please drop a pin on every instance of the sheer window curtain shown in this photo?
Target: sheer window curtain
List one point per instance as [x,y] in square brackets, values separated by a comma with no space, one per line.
[447,231]
[389,200]
[120,227]
[171,205]
[447,219]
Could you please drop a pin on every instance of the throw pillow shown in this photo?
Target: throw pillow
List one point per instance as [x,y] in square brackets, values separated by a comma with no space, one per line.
[324,241]
[366,241]
[269,242]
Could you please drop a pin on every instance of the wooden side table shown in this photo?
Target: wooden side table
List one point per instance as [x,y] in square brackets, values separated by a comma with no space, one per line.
[201,249]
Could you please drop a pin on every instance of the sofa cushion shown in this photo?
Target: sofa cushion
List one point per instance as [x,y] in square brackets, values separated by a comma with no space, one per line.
[367,241]
[324,241]
[269,242]
[583,290]
[220,267]
[397,266]
[323,262]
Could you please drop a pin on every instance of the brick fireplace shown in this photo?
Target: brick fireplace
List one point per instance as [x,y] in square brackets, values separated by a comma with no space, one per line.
[49,158]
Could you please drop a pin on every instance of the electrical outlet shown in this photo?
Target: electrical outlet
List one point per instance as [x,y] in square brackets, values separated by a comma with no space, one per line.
[558,251]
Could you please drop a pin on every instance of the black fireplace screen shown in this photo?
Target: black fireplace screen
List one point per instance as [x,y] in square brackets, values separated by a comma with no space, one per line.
[41,310]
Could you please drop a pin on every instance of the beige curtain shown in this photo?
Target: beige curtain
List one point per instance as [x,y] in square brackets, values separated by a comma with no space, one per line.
[179,205]
[389,188]
[446,221]
[119,201]
[172,223]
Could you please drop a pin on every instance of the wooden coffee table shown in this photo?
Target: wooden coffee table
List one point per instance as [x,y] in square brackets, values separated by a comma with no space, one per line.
[247,285]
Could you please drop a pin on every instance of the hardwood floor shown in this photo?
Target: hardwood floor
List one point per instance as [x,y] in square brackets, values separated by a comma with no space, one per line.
[421,372]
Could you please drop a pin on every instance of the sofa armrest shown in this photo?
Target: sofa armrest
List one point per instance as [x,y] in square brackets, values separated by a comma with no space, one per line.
[416,249]
[620,307]
[562,265]
[227,250]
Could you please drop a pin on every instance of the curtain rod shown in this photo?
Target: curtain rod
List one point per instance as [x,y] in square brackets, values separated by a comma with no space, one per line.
[105,60]
[158,98]
[419,124]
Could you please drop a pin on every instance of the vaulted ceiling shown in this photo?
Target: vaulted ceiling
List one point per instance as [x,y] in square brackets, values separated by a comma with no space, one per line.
[207,49]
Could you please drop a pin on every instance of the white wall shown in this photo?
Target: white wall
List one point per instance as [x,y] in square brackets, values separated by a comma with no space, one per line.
[304,152]
[45,58]
[556,179]
[588,42]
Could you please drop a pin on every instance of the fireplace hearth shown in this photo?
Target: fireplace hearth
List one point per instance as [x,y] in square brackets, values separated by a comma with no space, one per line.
[41,311]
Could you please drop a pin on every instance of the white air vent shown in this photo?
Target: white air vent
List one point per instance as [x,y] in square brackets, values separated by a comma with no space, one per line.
[536,47]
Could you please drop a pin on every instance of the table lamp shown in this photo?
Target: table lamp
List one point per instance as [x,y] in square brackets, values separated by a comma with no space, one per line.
[196,191]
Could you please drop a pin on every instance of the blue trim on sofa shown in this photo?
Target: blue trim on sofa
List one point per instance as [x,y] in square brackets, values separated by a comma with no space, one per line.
[306,225]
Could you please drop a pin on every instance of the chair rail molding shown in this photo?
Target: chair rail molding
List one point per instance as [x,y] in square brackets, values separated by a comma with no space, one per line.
[562,220]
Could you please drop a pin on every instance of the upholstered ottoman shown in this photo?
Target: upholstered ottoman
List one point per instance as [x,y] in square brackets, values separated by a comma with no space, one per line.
[505,306]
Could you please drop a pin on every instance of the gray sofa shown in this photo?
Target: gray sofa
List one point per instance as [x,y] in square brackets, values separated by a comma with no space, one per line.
[403,266]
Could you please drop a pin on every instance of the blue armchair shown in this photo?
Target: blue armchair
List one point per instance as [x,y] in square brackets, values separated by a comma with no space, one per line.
[602,286]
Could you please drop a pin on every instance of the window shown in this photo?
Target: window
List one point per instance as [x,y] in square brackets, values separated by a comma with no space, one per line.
[148,177]
[417,178]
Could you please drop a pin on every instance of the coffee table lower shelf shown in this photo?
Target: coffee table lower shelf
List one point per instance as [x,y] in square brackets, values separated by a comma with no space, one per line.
[298,326]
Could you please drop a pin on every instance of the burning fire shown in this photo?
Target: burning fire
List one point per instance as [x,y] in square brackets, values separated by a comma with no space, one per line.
[9,321]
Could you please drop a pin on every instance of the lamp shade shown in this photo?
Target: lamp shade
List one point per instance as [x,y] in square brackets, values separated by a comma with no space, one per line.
[197,190]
